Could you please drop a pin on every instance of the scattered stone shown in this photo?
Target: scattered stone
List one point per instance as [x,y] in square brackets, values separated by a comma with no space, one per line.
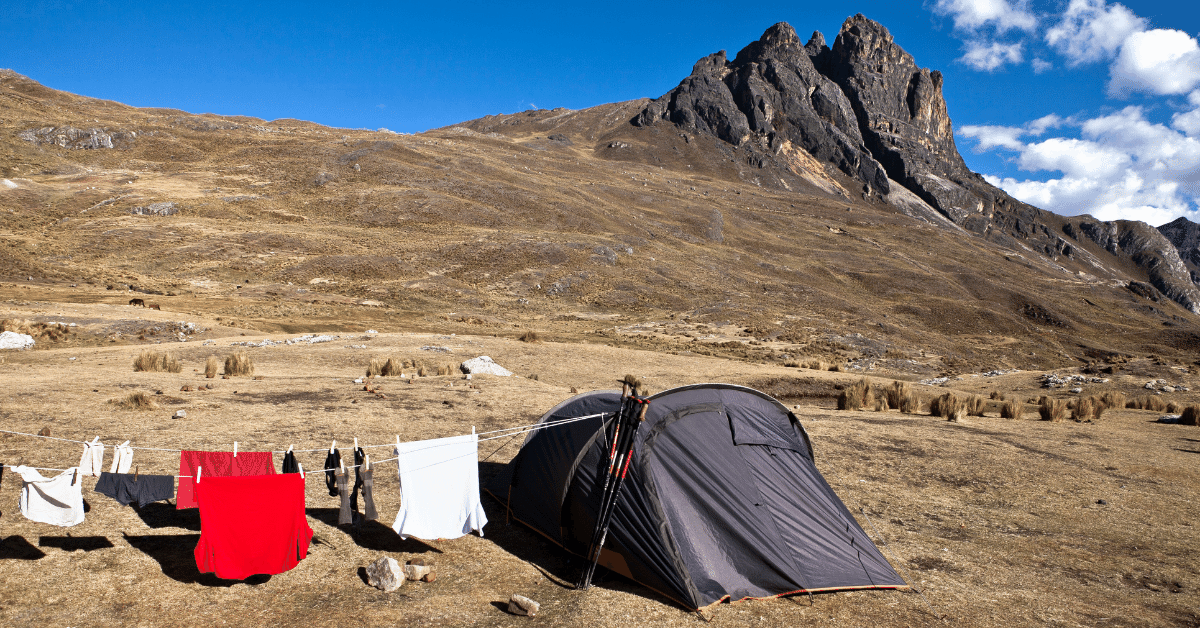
[185,388]
[1149,386]
[416,569]
[1167,389]
[1102,502]
[44,432]
[484,365]
[180,414]
[1077,390]
[358,381]
[521,605]
[435,349]
[13,340]
[385,574]
[156,209]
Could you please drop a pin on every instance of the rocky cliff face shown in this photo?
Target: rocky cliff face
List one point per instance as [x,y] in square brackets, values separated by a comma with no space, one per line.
[1185,235]
[865,107]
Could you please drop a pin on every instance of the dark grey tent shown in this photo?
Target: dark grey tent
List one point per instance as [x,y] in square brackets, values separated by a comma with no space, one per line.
[722,499]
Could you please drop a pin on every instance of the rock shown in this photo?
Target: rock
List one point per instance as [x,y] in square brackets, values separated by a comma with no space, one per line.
[156,209]
[385,574]
[1076,390]
[483,365]
[1167,389]
[13,340]
[561,139]
[521,605]
[1149,386]
[45,431]
[416,569]
[78,139]
[179,414]
[185,388]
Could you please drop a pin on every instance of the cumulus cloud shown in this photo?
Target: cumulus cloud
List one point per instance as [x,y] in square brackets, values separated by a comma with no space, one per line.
[1040,65]
[1123,166]
[987,56]
[972,15]
[1091,30]
[1158,61]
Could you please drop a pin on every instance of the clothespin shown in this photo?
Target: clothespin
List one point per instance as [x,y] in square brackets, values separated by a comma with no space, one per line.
[355,443]
[75,476]
[197,475]
[137,469]
[472,430]
[124,444]
[301,466]
[332,446]
[367,462]
[397,444]
[235,449]
[342,462]
[289,449]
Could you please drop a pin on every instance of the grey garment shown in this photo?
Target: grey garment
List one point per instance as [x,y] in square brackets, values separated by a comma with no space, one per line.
[345,515]
[127,488]
[368,485]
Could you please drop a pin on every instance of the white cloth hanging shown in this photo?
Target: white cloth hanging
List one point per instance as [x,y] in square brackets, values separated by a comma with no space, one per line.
[122,458]
[57,500]
[439,488]
[92,461]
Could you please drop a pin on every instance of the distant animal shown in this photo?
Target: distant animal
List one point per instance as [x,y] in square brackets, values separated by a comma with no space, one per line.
[137,302]
[154,306]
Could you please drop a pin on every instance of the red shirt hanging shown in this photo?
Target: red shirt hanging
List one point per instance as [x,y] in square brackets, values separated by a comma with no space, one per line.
[251,525]
[218,464]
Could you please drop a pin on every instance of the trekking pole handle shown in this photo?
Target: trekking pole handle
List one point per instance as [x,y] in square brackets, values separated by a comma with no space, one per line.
[642,415]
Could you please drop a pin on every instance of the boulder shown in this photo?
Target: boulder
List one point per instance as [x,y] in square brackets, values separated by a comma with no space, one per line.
[13,340]
[385,574]
[416,569]
[483,365]
[521,605]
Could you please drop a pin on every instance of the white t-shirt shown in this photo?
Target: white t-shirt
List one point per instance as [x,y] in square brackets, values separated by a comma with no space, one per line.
[439,488]
[57,500]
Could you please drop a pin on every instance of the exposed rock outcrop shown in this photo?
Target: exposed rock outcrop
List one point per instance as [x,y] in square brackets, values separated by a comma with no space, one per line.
[1185,235]
[1148,248]
[78,139]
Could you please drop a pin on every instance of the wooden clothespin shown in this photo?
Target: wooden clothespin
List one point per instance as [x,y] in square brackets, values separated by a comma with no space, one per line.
[197,475]
[235,449]
[137,469]
[301,466]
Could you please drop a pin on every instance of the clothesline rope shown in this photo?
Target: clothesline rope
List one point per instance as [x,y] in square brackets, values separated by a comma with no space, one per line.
[523,429]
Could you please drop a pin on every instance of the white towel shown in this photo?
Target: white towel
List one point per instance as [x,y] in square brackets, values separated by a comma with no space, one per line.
[57,500]
[439,488]
[122,458]
[92,461]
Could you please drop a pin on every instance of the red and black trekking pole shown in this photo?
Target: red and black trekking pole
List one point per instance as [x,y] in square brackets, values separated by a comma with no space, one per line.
[614,481]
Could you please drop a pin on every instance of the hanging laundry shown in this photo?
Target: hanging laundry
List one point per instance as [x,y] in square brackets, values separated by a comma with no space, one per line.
[122,458]
[439,488]
[359,457]
[57,500]
[218,464]
[369,513]
[251,525]
[93,458]
[127,488]
[289,463]
[332,461]
[345,515]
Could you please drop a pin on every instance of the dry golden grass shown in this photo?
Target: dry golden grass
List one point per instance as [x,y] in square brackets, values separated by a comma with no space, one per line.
[1190,416]
[391,368]
[1147,402]
[155,362]
[1085,410]
[1051,409]
[896,392]
[1012,409]
[239,365]
[134,401]
[421,372]
[375,368]
[910,403]
[1113,399]
[997,395]
[211,366]
[530,336]
[855,396]
[53,332]
[975,405]
[949,407]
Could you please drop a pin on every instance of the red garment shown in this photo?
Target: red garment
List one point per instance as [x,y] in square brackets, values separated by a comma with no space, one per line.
[251,525]
[218,464]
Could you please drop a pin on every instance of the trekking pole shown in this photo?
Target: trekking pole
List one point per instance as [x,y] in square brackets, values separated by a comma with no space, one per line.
[606,514]
[622,412]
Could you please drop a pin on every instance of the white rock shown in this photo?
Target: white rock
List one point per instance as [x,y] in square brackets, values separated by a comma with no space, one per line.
[521,605]
[484,365]
[180,414]
[416,570]
[9,184]
[1168,389]
[358,381]
[13,340]
[385,574]
[1149,386]
[1076,390]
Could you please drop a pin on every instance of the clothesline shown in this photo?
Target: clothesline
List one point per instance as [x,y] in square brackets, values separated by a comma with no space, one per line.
[516,430]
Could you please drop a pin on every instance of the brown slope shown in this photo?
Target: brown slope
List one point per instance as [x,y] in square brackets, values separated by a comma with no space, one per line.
[561,220]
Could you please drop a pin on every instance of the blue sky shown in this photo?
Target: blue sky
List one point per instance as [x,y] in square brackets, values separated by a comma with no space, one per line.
[1078,106]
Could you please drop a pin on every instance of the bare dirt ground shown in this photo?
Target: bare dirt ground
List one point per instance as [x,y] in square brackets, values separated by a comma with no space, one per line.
[997,522]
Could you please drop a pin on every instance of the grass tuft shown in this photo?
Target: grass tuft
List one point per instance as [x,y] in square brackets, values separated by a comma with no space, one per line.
[975,405]
[211,366]
[134,401]
[855,396]
[530,336]
[1190,416]
[155,362]
[239,364]
[1012,409]
[1052,409]
[948,407]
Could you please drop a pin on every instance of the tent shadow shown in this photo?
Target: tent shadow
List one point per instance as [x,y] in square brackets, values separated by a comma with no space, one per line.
[372,535]
[175,554]
[17,548]
[72,543]
[161,515]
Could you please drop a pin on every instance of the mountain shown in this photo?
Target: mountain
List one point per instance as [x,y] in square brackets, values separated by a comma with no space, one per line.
[801,200]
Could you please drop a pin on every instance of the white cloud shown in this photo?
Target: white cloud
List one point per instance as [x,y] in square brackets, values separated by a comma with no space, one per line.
[1159,61]
[1041,65]
[1122,167]
[1189,121]
[1091,30]
[972,15]
[987,56]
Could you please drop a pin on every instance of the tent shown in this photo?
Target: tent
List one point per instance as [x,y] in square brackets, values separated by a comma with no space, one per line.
[723,498]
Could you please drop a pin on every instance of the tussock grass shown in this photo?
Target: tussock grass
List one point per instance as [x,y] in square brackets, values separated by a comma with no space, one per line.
[533,376]
[530,336]
[239,364]
[1052,409]
[1190,416]
[856,396]
[1147,402]
[948,407]
[391,368]
[997,395]
[910,403]
[421,372]
[975,405]
[896,393]
[814,365]
[1113,399]
[134,401]
[1174,407]
[1085,410]
[211,366]
[375,368]
[1012,409]
[155,362]
[39,331]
